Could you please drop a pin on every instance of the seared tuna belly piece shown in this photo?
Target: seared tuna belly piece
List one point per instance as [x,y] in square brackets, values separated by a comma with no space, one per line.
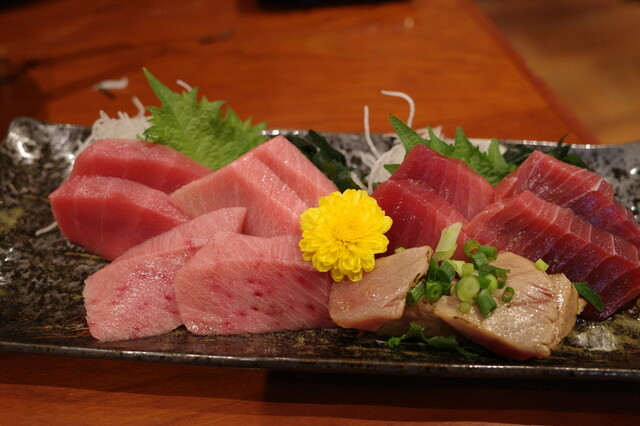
[381,294]
[247,284]
[108,215]
[419,214]
[586,193]
[566,242]
[134,296]
[542,312]
[151,164]
[452,179]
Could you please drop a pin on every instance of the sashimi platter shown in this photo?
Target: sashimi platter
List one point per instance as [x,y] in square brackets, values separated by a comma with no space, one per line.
[187,235]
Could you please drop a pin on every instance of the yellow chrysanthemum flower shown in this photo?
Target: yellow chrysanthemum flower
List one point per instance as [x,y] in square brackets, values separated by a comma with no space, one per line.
[344,233]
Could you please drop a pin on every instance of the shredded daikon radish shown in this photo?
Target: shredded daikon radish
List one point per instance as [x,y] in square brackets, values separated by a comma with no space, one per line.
[112,84]
[367,133]
[184,85]
[412,105]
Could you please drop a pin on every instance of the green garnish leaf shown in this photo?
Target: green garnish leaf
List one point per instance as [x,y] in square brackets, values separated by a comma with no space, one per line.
[450,343]
[201,130]
[326,158]
[587,293]
[516,154]
[491,165]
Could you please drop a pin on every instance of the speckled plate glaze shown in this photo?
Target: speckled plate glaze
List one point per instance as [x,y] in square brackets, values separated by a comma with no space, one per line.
[41,278]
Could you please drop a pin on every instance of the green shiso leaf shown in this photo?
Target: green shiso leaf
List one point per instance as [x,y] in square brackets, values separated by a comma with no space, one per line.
[202,130]
[491,165]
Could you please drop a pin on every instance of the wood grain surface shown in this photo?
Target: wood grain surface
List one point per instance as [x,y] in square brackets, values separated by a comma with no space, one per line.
[313,68]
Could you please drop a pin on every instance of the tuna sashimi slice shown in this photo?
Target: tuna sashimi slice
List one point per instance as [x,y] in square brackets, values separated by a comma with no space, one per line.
[573,246]
[542,312]
[294,169]
[134,296]
[586,193]
[108,215]
[450,178]
[419,214]
[246,284]
[194,233]
[151,164]
[381,295]
[273,208]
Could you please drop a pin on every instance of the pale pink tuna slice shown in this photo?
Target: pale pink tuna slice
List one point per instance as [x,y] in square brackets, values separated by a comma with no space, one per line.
[381,295]
[108,215]
[419,215]
[452,179]
[134,295]
[291,165]
[586,193]
[246,284]
[195,233]
[151,164]
[272,206]
[566,242]
[542,312]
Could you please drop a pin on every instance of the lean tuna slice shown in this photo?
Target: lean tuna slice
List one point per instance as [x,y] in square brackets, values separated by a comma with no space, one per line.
[450,178]
[151,164]
[537,229]
[586,193]
[419,215]
[541,313]
[246,284]
[109,215]
[294,169]
[134,296]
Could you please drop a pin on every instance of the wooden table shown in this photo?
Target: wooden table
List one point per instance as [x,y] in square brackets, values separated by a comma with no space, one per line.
[299,68]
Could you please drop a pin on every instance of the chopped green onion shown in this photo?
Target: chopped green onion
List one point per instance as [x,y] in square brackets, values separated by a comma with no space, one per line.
[472,246]
[541,265]
[446,271]
[488,281]
[479,259]
[447,244]
[416,293]
[464,307]
[587,293]
[467,288]
[399,249]
[507,294]
[433,291]
[485,302]
[468,269]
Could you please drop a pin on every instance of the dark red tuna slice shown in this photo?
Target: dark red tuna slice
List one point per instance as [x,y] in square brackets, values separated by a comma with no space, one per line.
[576,248]
[151,164]
[134,296]
[246,284]
[419,214]
[108,215]
[586,193]
[452,179]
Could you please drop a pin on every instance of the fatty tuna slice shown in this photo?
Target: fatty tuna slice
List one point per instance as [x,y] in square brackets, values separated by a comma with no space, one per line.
[294,169]
[273,208]
[246,284]
[542,312]
[419,215]
[194,233]
[151,164]
[567,243]
[134,296]
[450,178]
[108,215]
[586,193]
